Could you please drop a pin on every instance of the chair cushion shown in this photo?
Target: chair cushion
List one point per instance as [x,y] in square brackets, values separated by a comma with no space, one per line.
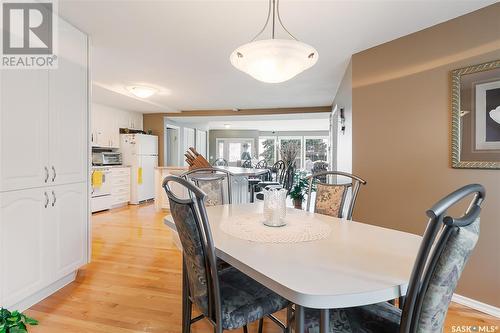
[244,300]
[330,199]
[214,190]
[375,318]
[444,280]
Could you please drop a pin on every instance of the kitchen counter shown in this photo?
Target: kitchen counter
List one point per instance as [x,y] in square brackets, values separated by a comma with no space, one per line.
[109,166]
[184,168]
[235,171]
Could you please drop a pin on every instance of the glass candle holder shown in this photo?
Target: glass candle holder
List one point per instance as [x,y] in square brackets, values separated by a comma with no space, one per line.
[275,207]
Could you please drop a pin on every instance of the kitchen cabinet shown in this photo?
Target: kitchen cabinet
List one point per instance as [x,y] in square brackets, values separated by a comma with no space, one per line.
[120,186]
[23,239]
[68,128]
[43,121]
[136,120]
[106,124]
[44,174]
[43,233]
[24,109]
[105,132]
[68,215]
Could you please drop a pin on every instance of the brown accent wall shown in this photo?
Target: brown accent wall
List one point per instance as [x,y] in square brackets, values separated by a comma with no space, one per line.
[155,122]
[401,135]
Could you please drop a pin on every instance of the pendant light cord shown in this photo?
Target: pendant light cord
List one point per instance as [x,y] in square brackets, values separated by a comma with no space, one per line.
[274,6]
[274,18]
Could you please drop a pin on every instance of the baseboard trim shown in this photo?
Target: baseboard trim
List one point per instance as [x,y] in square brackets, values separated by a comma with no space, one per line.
[476,305]
[45,292]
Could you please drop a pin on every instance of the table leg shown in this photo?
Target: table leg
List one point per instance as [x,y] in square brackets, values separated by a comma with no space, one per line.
[324,323]
[299,319]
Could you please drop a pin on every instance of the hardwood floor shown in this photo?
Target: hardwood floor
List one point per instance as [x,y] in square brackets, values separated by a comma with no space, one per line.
[134,283]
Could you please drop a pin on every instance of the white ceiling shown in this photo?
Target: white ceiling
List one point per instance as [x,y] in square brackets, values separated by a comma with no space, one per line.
[277,122]
[183,47]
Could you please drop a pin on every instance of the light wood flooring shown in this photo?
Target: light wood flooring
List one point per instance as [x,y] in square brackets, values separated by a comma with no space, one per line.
[133,283]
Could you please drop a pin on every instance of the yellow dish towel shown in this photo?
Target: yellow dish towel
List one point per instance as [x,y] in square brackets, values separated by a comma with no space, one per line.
[97,179]
[139,176]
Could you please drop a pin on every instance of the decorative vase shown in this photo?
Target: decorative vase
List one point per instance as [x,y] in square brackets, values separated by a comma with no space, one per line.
[297,203]
[275,207]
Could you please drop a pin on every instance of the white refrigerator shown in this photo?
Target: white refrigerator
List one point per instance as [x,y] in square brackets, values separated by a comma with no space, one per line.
[140,152]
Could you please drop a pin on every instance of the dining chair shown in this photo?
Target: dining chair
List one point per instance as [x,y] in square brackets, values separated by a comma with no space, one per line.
[253,181]
[320,166]
[279,180]
[220,162]
[446,246]
[333,197]
[216,183]
[247,164]
[228,298]
[262,164]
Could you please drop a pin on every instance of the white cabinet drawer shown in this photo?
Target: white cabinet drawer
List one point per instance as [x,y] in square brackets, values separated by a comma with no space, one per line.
[120,171]
[121,180]
[119,190]
[119,199]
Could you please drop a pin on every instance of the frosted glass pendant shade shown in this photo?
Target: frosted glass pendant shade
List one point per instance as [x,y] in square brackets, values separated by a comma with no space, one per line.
[274,60]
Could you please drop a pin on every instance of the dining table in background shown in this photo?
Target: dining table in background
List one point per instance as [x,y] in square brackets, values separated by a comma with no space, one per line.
[239,183]
[356,264]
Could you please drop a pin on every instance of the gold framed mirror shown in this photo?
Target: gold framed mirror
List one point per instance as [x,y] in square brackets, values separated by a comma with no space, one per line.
[475,104]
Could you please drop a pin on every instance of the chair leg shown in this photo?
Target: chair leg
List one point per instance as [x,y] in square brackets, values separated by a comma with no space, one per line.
[289,316]
[401,302]
[186,302]
[261,324]
[252,193]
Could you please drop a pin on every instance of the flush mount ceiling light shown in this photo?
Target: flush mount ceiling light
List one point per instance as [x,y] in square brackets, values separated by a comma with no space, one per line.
[274,60]
[142,91]
[227,125]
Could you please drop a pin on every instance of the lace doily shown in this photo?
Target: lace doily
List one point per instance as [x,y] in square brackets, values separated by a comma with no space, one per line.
[251,227]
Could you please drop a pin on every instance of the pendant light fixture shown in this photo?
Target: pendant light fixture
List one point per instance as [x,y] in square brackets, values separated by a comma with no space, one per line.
[274,60]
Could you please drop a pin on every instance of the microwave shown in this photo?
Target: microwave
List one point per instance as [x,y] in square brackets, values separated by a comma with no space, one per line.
[106,158]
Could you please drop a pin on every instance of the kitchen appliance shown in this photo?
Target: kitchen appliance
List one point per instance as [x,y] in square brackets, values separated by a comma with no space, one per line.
[100,197]
[140,151]
[106,158]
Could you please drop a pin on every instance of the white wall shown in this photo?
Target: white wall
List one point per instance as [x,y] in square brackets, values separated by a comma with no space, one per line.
[342,142]
[182,126]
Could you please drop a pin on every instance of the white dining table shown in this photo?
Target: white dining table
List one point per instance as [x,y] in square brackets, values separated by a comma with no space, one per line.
[357,264]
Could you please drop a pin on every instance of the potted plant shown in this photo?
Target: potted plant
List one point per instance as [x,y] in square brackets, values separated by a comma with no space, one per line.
[14,322]
[299,189]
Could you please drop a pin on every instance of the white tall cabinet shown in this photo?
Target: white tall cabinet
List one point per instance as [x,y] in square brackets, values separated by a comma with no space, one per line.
[44,174]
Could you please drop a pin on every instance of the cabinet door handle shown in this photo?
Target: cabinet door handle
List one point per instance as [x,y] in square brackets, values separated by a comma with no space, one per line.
[54,198]
[46,200]
[46,173]
[54,174]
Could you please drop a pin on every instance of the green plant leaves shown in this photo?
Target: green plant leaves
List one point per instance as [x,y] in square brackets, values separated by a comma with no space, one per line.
[14,322]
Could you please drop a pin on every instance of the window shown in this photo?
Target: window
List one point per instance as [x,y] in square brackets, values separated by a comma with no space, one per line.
[220,149]
[267,149]
[234,150]
[292,140]
[311,149]
[316,149]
